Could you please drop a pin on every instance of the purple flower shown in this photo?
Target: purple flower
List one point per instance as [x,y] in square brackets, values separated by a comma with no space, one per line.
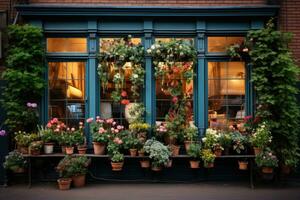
[31,105]
[2,132]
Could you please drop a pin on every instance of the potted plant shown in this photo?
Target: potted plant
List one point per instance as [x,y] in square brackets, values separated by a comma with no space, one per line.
[208,158]
[240,143]
[211,141]
[194,152]
[267,160]
[69,141]
[35,147]
[289,160]
[225,141]
[23,140]
[190,136]
[140,130]
[15,162]
[158,153]
[114,151]
[131,143]
[72,169]
[261,138]
[80,139]
[102,130]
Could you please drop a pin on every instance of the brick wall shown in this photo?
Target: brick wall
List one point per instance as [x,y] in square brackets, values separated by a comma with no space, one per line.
[289,21]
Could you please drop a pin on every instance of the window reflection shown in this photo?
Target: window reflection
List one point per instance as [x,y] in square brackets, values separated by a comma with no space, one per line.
[67,45]
[108,108]
[67,91]
[226,93]
[220,44]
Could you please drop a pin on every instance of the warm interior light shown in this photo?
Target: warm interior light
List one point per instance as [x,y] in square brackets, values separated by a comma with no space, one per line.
[73,92]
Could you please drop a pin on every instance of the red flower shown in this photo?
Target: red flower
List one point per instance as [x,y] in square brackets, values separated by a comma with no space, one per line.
[125,101]
[175,100]
[246,118]
[124,93]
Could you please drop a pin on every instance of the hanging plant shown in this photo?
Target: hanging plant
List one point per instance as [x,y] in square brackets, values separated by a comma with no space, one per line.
[173,62]
[112,67]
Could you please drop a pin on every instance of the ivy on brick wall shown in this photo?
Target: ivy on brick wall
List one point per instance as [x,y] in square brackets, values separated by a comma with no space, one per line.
[275,77]
[24,77]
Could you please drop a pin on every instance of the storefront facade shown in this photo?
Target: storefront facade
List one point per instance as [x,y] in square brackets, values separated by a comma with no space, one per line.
[220,93]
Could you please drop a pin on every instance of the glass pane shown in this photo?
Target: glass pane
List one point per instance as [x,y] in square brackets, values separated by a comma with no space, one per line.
[226,93]
[67,91]
[67,45]
[219,44]
[109,108]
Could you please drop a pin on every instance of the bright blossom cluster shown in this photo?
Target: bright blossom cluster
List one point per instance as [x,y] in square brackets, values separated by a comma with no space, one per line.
[118,141]
[2,132]
[31,105]
[162,128]
[56,125]
[106,125]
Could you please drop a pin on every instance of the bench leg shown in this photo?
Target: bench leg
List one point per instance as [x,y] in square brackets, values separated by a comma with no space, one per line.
[29,172]
[251,174]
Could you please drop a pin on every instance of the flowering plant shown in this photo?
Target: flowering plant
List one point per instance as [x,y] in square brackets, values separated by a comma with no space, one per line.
[2,133]
[262,136]
[194,151]
[225,139]
[52,131]
[158,153]
[113,60]
[24,139]
[211,138]
[207,156]
[73,166]
[36,145]
[103,129]
[266,159]
[114,149]
[14,160]
[191,133]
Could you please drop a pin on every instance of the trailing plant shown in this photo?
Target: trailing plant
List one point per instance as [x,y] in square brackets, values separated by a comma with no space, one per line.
[24,77]
[158,153]
[14,160]
[112,67]
[275,76]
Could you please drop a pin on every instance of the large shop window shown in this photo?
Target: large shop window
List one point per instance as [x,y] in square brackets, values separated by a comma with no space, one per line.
[109,108]
[67,91]
[62,45]
[226,93]
[172,81]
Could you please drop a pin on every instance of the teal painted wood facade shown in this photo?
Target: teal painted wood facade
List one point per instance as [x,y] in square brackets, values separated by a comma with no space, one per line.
[147,23]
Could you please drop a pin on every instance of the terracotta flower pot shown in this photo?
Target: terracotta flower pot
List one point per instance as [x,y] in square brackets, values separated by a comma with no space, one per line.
[99,148]
[18,170]
[117,166]
[81,150]
[187,145]
[170,140]
[156,169]
[48,148]
[64,183]
[24,150]
[133,152]
[209,165]
[35,152]
[79,181]
[285,169]
[69,150]
[141,153]
[256,150]
[243,165]
[267,170]
[175,150]
[195,164]
[218,152]
[145,163]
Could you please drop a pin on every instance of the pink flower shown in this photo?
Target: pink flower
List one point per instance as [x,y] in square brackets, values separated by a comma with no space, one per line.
[119,127]
[80,123]
[72,129]
[123,93]
[245,50]
[56,130]
[2,132]
[68,129]
[49,125]
[89,120]
[118,141]
[33,105]
[112,129]
[109,121]
[114,123]
[54,120]
[246,118]
[97,117]
[28,104]
[101,130]
[116,131]
[175,100]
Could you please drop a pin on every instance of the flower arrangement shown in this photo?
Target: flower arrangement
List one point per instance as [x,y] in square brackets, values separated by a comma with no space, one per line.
[266,159]
[158,153]
[14,161]
[103,129]
[114,59]
[208,157]
[262,136]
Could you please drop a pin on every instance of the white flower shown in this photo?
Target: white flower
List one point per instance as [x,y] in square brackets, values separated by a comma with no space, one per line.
[158,51]
[153,46]
[149,51]
[204,139]
[135,76]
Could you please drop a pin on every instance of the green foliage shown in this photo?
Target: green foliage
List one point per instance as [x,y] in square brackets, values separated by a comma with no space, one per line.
[225,140]
[191,133]
[23,76]
[158,153]
[24,139]
[207,156]
[36,145]
[117,157]
[274,77]
[239,141]
[195,151]
[14,160]
[266,159]
[211,139]
[48,135]
[262,136]
[73,166]
[131,142]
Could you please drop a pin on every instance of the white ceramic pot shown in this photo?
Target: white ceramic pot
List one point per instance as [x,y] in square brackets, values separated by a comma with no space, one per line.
[48,148]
